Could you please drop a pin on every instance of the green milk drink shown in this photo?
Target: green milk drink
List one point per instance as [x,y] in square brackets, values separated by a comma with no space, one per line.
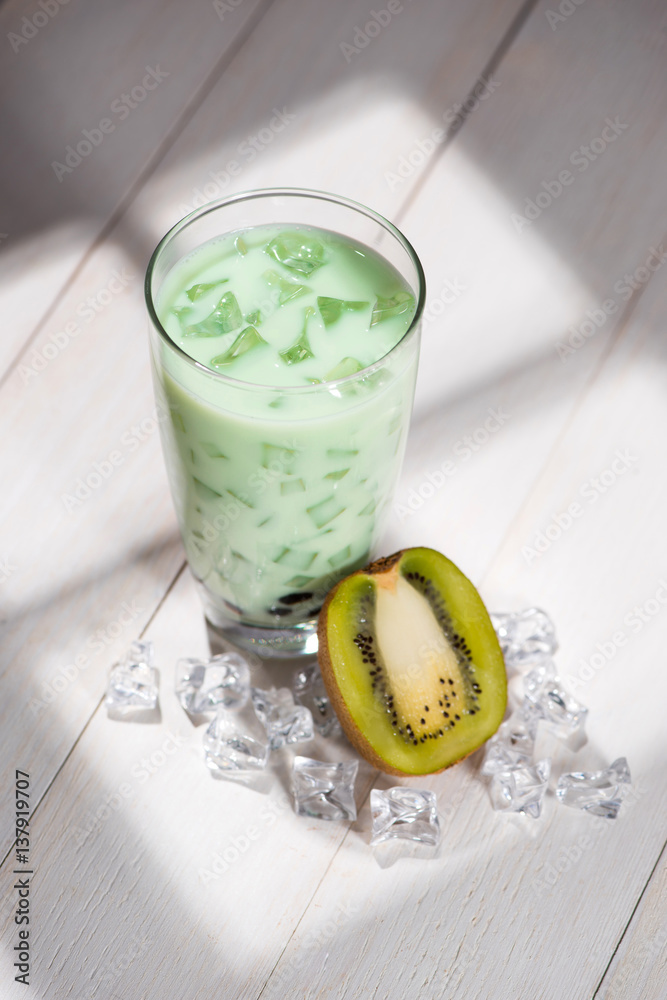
[284,442]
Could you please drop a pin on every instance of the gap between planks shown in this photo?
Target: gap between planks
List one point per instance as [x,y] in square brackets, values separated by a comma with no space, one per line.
[306,908]
[627,926]
[497,56]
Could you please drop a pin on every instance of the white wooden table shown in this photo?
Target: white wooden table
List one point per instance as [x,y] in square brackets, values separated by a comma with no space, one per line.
[151,879]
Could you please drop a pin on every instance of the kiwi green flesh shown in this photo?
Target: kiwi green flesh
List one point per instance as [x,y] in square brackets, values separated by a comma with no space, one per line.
[412,663]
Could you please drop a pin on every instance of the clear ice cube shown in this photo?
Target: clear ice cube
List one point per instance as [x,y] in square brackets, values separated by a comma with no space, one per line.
[133,682]
[530,716]
[139,652]
[235,742]
[596,792]
[202,685]
[325,791]
[521,789]
[310,692]
[402,813]
[511,747]
[283,721]
[546,698]
[534,679]
[525,636]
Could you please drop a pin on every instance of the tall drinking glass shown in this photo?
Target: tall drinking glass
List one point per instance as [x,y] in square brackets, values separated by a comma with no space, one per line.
[280,489]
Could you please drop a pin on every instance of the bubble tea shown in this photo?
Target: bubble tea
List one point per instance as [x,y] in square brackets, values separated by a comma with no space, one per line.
[287,373]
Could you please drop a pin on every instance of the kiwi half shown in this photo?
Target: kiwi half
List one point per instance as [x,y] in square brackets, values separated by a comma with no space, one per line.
[411,663]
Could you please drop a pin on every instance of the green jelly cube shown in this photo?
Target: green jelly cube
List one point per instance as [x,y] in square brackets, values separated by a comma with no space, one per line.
[228,313]
[205,492]
[287,288]
[295,559]
[300,350]
[225,317]
[297,352]
[177,420]
[337,475]
[182,313]
[277,458]
[298,251]
[196,291]
[211,450]
[331,310]
[325,511]
[342,453]
[345,367]
[396,305]
[242,499]
[246,341]
[290,486]
[339,558]
[207,328]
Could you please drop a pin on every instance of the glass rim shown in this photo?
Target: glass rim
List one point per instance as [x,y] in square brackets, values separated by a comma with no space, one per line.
[212,206]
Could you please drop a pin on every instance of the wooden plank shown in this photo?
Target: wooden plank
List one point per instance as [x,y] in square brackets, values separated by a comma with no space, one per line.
[639,967]
[56,202]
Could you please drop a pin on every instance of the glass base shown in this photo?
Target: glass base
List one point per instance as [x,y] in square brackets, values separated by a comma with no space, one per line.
[288,641]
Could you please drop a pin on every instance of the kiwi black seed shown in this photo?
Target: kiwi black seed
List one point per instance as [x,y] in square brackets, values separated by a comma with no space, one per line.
[411,662]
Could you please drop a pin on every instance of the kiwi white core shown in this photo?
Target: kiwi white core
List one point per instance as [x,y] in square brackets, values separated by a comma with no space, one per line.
[415,654]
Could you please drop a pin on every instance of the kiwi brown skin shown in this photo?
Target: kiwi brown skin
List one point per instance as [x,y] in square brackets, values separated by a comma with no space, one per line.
[382,565]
